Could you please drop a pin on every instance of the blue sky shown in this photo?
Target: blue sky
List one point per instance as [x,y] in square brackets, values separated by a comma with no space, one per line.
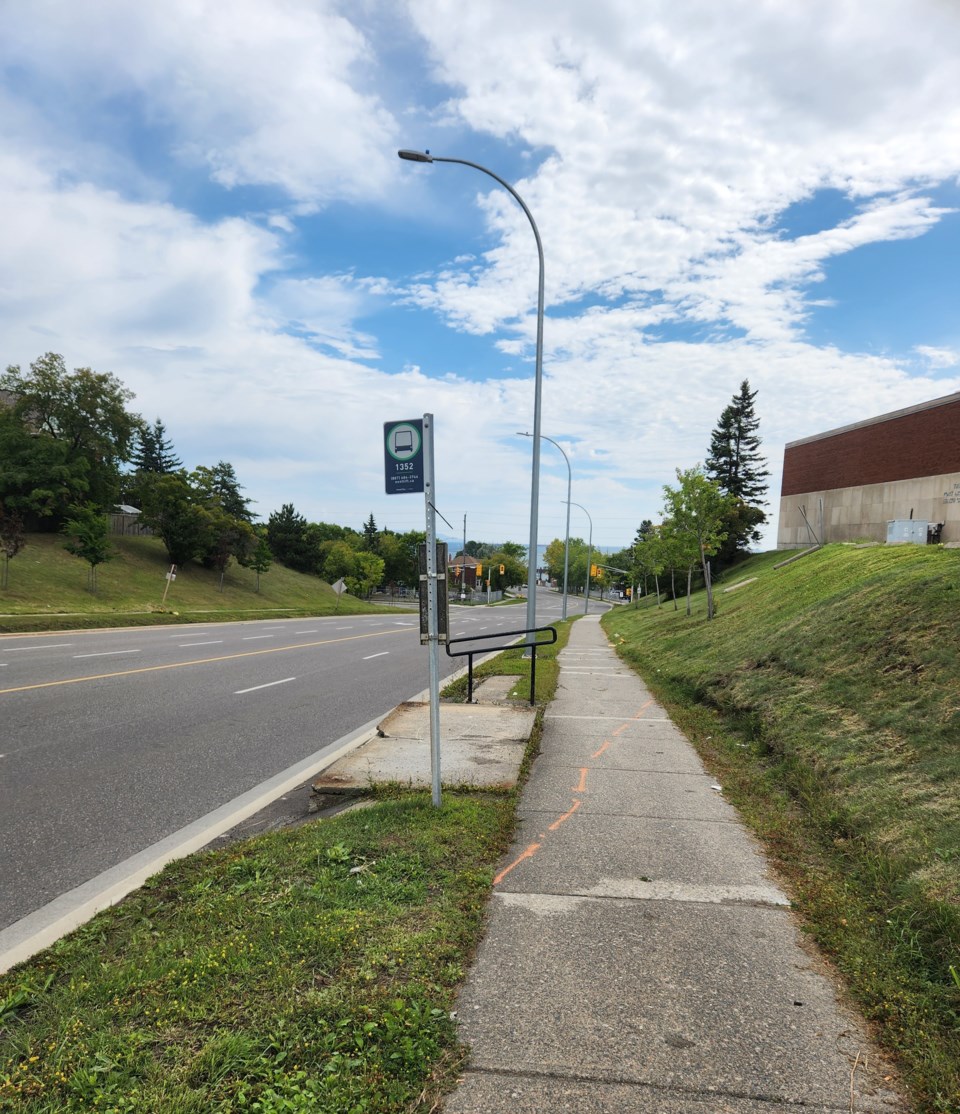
[206,201]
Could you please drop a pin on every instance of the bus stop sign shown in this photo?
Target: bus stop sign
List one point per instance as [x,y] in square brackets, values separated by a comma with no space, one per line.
[403,457]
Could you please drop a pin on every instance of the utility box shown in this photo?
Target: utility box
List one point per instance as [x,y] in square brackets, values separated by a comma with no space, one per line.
[907,531]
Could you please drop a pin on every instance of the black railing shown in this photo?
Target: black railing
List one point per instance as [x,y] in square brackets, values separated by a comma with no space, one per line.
[532,646]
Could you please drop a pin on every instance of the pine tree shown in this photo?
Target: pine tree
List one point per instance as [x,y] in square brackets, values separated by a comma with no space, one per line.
[154,451]
[734,461]
[737,466]
[371,535]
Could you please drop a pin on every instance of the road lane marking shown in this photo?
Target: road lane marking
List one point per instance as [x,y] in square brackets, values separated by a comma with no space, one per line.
[197,661]
[212,642]
[268,685]
[51,646]
[313,631]
[104,654]
[382,654]
[255,637]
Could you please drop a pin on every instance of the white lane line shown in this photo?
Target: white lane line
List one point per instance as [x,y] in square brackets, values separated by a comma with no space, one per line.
[255,637]
[343,628]
[214,642]
[313,631]
[382,654]
[105,654]
[268,685]
[48,646]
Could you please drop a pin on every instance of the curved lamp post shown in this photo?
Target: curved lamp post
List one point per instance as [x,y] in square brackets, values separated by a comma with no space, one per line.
[586,602]
[425,156]
[566,544]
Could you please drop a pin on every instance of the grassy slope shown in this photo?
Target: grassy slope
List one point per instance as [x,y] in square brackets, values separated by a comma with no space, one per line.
[46,582]
[826,695]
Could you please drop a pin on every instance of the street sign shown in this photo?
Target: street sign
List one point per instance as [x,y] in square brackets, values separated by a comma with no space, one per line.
[403,457]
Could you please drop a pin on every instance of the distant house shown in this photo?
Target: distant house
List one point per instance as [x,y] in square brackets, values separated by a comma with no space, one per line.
[462,571]
[847,484]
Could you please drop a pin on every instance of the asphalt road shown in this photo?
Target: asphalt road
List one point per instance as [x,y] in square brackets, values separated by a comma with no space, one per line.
[112,740]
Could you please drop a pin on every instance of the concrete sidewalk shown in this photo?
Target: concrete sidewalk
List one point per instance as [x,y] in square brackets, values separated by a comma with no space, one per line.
[639,957]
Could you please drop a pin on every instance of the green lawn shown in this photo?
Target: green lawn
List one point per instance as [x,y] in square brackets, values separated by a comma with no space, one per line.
[825,696]
[47,590]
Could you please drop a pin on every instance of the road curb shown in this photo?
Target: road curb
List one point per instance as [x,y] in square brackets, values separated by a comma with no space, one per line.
[44,926]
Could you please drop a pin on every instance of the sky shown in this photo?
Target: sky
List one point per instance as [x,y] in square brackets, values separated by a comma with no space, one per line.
[205,200]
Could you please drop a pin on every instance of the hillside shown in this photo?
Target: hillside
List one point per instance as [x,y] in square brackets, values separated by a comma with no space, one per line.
[825,696]
[47,590]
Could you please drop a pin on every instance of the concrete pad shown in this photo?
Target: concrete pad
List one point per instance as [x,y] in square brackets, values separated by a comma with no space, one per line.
[666,796]
[620,855]
[508,1093]
[681,996]
[480,745]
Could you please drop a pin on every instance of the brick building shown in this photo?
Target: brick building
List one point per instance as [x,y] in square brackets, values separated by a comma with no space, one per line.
[850,482]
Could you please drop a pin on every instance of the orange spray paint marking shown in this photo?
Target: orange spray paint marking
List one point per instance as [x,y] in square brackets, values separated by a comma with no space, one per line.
[531,850]
[620,730]
[597,753]
[643,709]
[566,816]
[582,787]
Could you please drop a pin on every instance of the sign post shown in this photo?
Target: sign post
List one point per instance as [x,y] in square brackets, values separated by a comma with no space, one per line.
[408,469]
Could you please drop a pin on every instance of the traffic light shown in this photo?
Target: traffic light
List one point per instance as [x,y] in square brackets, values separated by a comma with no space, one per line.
[594,571]
[503,569]
[479,570]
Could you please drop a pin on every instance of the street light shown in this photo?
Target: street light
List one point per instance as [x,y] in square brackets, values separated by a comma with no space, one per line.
[586,602]
[425,156]
[566,544]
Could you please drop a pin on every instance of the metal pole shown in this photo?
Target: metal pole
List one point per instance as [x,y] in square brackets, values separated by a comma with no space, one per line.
[586,602]
[566,544]
[433,626]
[425,156]
[463,578]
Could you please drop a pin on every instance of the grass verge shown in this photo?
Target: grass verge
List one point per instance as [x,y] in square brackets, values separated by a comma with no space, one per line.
[825,698]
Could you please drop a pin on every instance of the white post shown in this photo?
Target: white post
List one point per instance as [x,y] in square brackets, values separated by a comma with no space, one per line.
[433,626]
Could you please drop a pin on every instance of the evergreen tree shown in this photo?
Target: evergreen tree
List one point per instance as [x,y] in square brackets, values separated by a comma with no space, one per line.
[737,466]
[371,535]
[220,485]
[154,450]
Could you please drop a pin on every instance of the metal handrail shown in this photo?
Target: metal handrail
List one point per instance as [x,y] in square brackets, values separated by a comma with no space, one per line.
[468,654]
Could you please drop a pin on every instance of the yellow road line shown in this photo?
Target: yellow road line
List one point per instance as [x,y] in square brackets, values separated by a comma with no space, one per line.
[198,661]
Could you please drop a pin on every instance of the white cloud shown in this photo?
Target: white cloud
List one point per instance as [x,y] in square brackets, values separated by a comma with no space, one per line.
[269,94]
[938,357]
[674,133]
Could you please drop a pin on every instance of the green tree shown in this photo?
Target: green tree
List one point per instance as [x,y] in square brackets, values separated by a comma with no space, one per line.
[85,413]
[286,536]
[698,509]
[226,537]
[260,558]
[367,575]
[737,466]
[514,570]
[38,479]
[219,486]
[12,540]
[88,531]
[169,506]
[371,535]
[154,451]
[340,562]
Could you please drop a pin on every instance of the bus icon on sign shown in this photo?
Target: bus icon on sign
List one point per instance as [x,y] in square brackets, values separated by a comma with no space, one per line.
[403,441]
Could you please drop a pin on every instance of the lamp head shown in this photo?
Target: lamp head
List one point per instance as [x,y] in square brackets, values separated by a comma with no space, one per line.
[416,156]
